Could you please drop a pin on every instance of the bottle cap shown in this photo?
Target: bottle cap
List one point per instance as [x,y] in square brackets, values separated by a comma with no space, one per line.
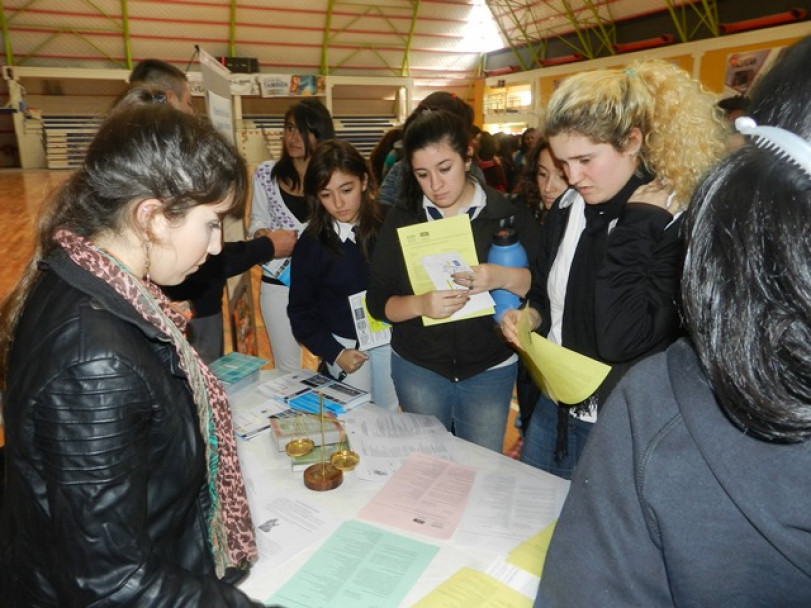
[505,236]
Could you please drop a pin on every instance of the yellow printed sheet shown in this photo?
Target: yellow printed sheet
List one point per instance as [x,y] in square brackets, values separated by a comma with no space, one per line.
[471,589]
[451,235]
[566,376]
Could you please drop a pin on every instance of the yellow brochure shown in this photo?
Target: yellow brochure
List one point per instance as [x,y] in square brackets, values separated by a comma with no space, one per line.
[450,236]
[566,376]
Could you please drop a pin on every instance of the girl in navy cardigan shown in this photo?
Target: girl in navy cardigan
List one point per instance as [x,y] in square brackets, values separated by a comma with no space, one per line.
[331,263]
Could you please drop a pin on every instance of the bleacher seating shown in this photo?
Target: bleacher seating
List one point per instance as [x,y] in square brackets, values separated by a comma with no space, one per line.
[67,138]
[361,131]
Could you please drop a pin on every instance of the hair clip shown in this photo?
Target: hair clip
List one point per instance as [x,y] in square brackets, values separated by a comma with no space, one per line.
[158,98]
[782,142]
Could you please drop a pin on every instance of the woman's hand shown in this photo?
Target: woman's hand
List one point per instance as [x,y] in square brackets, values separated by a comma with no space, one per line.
[351,360]
[487,277]
[509,324]
[653,193]
[481,278]
[441,304]
[283,241]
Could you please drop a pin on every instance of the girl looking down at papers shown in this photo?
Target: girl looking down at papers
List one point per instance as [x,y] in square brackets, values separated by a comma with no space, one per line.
[123,485]
[633,144]
[331,263]
[460,371]
[693,490]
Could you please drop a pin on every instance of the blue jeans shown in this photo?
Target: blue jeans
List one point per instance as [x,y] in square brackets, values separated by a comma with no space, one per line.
[541,437]
[475,409]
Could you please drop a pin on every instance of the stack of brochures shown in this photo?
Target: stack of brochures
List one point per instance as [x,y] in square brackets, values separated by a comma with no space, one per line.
[237,370]
[285,428]
[319,454]
[303,391]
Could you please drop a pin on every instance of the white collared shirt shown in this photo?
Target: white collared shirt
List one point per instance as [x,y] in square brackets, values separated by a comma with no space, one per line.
[344,231]
[478,203]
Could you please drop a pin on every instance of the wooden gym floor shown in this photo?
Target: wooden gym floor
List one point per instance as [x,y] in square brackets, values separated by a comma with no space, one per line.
[21,195]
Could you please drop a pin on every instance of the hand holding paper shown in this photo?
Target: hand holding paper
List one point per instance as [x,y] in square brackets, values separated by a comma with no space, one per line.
[566,376]
[431,245]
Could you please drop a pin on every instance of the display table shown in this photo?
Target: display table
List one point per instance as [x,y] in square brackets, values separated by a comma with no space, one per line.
[262,465]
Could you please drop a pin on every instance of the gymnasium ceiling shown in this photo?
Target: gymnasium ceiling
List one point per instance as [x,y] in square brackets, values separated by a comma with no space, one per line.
[438,43]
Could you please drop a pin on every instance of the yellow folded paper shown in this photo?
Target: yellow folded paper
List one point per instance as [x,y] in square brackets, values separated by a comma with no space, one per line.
[447,236]
[531,554]
[566,376]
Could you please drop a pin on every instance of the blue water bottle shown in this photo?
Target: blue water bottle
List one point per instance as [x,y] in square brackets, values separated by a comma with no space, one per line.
[506,251]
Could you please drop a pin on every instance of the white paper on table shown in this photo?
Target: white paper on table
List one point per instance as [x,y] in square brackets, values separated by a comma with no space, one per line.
[427,496]
[440,268]
[286,526]
[250,422]
[391,424]
[380,458]
[292,384]
[507,509]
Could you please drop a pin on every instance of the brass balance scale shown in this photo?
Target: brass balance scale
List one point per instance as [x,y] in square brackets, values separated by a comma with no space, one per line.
[327,474]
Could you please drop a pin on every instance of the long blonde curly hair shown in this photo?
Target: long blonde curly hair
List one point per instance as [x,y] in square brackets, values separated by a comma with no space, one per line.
[683,132]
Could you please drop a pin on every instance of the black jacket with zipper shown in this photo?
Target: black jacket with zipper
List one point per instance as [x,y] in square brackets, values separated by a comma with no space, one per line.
[106,492]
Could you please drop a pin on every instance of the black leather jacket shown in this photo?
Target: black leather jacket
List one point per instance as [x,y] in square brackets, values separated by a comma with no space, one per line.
[106,477]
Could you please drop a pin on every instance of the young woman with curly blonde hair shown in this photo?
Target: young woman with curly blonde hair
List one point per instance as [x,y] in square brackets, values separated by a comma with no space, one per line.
[634,143]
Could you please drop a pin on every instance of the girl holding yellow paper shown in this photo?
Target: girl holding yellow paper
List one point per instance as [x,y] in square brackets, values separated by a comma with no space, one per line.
[633,144]
[461,371]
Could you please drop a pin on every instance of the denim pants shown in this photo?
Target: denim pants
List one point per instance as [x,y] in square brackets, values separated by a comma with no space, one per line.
[541,437]
[474,409]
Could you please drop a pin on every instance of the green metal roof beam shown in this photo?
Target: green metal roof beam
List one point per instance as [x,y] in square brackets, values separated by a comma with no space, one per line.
[21,10]
[68,29]
[366,48]
[78,34]
[607,36]
[524,35]
[351,23]
[125,22]
[405,68]
[385,18]
[101,12]
[707,12]
[6,37]
[503,30]
[325,39]
[585,42]
[232,28]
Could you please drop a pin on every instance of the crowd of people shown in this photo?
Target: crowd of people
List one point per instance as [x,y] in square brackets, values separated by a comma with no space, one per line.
[653,246]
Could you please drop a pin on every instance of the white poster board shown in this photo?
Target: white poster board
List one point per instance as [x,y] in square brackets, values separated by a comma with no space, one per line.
[217,82]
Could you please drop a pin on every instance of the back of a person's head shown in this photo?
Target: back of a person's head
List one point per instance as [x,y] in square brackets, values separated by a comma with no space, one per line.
[487,146]
[683,133]
[157,73]
[150,150]
[449,102]
[505,143]
[747,276]
[142,151]
[734,106]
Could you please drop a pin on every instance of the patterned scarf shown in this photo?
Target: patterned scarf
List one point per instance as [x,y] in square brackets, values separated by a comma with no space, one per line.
[230,529]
